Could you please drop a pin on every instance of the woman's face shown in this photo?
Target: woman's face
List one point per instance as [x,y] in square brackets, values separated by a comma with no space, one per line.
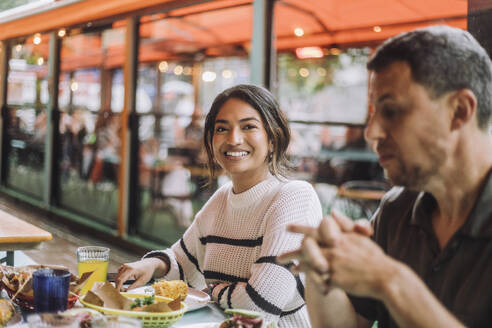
[240,144]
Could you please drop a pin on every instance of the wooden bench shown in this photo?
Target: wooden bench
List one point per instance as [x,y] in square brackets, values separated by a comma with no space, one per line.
[16,234]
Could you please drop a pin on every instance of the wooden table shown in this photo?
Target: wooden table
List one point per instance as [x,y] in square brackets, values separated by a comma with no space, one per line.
[16,234]
[364,194]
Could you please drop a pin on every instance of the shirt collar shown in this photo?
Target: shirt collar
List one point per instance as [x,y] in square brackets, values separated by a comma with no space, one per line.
[422,210]
[479,222]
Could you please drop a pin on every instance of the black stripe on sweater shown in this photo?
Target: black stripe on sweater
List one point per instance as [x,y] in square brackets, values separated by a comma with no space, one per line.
[181,273]
[272,260]
[229,295]
[233,242]
[300,286]
[268,259]
[188,254]
[214,275]
[283,314]
[261,302]
[219,297]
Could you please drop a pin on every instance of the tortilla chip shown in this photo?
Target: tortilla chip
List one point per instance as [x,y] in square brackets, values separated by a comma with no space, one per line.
[111,297]
[156,307]
[175,304]
[78,284]
[93,299]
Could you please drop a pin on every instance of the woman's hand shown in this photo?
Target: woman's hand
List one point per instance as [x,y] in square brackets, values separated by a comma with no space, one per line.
[142,271]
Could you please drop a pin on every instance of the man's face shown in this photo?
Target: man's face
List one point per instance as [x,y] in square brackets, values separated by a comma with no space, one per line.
[408,129]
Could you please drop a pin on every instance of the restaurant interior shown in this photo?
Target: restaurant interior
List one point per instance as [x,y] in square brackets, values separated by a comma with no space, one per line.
[104,104]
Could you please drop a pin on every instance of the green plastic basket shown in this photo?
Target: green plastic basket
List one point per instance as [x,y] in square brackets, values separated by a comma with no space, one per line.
[149,319]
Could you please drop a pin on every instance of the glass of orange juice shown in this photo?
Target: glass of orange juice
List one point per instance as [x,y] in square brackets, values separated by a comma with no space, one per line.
[92,258]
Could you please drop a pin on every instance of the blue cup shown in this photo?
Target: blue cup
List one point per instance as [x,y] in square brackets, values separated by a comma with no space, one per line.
[51,288]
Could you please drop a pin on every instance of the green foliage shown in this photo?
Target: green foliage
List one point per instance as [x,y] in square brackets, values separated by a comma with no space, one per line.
[318,73]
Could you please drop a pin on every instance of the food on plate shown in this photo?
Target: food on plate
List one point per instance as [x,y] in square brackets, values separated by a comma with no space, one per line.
[6,311]
[148,304]
[243,319]
[91,298]
[106,295]
[139,303]
[171,288]
[17,281]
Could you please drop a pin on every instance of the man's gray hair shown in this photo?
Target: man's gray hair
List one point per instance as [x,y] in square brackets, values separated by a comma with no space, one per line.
[442,59]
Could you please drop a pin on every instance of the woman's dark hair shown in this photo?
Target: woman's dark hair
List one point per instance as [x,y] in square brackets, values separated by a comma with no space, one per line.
[273,118]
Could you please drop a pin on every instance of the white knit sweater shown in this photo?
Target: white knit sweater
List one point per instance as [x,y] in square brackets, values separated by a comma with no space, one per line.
[234,240]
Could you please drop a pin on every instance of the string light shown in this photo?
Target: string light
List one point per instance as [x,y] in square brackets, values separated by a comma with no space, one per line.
[74,86]
[304,72]
[298,31]
[178,70]
[377,29]
[209,76]
[163,66]
[37,38]
[226,74]
[62,32]
[321,71]
[309,52]
[40,61]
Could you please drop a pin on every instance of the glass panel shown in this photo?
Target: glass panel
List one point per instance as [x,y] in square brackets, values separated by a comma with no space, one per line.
[330,156]
[219,74]
[332,88]
[323,48]
[186,59]
[90,100]
[27,98]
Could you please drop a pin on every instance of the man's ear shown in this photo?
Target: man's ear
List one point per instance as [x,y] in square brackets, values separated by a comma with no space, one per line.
[464,106]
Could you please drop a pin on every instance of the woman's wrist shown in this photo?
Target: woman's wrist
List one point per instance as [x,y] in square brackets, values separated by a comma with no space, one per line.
[160,265]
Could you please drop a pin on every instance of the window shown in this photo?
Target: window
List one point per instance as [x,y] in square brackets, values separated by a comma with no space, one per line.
[27,99]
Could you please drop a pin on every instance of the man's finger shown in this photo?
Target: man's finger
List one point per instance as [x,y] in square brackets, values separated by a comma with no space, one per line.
[305,230]
[344,222]
[364,227]
[301,267]
[318,280]
[329,231]
[313,255]
[287,257]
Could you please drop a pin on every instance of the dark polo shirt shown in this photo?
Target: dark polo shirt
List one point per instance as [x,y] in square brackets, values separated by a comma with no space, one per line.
[460,275]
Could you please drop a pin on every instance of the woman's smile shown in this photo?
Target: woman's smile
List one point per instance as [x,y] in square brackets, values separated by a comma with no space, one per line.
[236,155]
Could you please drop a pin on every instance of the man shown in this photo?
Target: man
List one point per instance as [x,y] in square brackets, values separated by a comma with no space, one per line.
[429,262]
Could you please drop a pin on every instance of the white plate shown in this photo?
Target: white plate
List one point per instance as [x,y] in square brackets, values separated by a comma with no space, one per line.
[195,300]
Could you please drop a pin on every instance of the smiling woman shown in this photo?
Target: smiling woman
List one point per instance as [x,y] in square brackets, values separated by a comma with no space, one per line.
[232,244]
